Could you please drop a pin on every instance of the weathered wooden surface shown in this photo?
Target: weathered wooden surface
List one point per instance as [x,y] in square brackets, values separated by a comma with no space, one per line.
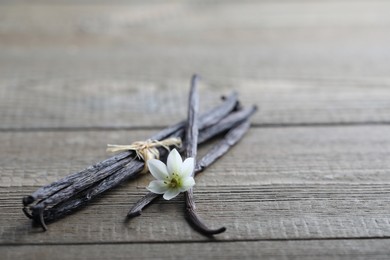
[267,155]
[256,212]
[100,65]
[293,249]
[309,181]
[101,103]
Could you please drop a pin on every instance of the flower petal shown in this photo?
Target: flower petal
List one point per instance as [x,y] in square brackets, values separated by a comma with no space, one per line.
[187,183]
[188,167]
[158,169]
[170,194]
[174,162]
[158,187]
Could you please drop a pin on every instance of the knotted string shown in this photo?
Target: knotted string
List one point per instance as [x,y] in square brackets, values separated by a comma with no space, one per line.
[146,150]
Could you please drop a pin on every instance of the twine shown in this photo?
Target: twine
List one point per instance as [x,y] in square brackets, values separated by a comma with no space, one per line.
[146,150]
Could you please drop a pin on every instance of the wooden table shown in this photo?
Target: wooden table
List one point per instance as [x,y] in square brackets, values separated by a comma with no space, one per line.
[311,180]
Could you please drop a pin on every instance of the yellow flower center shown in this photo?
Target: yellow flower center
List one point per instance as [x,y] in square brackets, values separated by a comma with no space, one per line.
[175,181]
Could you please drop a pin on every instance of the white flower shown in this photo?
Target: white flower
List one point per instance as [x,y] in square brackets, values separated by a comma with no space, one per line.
[173,178]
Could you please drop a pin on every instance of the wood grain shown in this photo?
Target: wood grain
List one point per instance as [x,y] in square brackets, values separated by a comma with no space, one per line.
[305,191]
[116,103]
[309,181]
[72,65]
[274,155]
[249,213]
[306,250]
[251,39]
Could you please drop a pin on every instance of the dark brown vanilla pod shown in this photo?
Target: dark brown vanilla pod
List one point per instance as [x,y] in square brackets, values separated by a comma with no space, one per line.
[130,172]
[69,206]
[209,118]
[227,123]
[67,181]
[206,120]
[191,148]
[66,195]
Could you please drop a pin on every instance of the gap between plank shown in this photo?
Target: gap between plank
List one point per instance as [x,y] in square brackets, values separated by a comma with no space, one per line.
[197,241]
[158,127]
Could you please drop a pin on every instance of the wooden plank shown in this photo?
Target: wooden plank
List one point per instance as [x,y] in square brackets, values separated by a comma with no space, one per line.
[312,249]
[274,155]
[249,213]
[40,104]
[70,72]
[100,65]
[278,183]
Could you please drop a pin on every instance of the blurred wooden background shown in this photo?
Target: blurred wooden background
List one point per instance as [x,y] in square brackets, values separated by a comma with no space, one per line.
[311,179]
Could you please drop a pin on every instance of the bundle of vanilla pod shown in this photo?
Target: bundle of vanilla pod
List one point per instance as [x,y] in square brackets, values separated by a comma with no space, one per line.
[228,121]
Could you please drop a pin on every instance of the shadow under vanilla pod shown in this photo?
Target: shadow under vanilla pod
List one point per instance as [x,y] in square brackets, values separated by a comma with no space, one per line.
[70,193]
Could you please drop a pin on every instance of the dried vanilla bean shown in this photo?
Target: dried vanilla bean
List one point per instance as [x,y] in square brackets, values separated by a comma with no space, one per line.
[54,187]
[191,148]
[118,168]
[209,118]
[192,126]
[126,173]
[68,206]
[206,120]
[227,123]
